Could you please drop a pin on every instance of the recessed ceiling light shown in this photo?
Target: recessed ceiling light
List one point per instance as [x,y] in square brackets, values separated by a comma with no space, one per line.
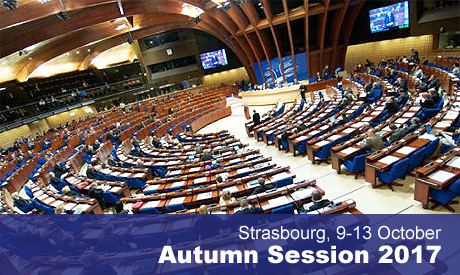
[78,52]
[121,26]
[43,1]
[88,50]
[30,58]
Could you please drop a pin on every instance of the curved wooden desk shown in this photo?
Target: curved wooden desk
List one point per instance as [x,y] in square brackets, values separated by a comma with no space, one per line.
[210,118]
[283,95]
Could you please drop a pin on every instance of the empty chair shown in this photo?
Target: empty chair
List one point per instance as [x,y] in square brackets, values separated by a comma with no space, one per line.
[417,159]
[181,236]
[287,209]
[445,197]
[398,170]
[357,164]
[431,148]
[174,208]
[224,269]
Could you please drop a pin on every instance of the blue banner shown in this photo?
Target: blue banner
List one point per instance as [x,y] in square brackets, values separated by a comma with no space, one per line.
[229,244]
[301,65]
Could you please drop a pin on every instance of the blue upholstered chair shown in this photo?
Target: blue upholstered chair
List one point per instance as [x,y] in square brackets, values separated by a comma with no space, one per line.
[181,236]
[431,148]
[357,164]
[174,208]
[445,197]
[224,269]
[287,209]
[398,170]
[417,159]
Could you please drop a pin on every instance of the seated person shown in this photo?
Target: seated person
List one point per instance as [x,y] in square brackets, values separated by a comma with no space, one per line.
[318,201]
[414,124]
[226,197]
[92,266]
[19,202]
[427,102]
[206,156]
[56,182]
[96,193]
[262,187]
[285,135]
[301,127]
[111,241]
[112,162]
[135,141]
[433,82]
[398,133]
[246,208]
[434,95]
[402,96]
[202,228]
[373,142]
[90,172]
[362,129]
[70,247]
[69,192]
[256,118]
[319,77]
[119,209]
[59,170]
[391,106]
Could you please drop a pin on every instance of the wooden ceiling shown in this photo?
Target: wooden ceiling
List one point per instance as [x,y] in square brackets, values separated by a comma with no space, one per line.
[91,29]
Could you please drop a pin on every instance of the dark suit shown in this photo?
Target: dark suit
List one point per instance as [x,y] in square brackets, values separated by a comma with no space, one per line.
[262,189]
[318,205]
[392,107]
[398,134]
[256,118]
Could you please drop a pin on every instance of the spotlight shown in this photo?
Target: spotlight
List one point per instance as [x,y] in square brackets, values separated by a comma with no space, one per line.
[10,4]
[63,16]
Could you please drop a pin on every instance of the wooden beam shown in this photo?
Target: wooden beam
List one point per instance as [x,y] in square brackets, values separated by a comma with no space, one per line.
[291,41]
[269,15]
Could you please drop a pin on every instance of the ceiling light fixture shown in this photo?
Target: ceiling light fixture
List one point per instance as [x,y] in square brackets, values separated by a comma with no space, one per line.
[191,10]
[10,4]
[43,1]
[121,26]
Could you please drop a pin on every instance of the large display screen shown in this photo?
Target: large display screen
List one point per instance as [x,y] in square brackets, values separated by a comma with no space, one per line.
[390,17]
[214,59]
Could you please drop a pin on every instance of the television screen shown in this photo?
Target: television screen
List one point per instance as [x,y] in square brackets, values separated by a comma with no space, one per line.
[390,17]
[213,59]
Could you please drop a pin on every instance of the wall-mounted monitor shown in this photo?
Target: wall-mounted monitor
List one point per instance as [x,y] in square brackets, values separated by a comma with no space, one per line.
[390,17]
[214,59]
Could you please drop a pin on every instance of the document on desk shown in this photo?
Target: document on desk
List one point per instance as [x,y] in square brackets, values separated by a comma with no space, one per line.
[348,130]
[454,162]
[301,138]
[302,194]
[194,169]
[428,137]
[69,206]
[243,170]
[204,196]
[451,115]
[175,172]
[177,184]
[349,150]
[406,150]
[441,176]
[334,137]
[280,201]
[232,189]
[401,120]
[200,180]
[322,143]
[150,204]
[389,159]
[153,187]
